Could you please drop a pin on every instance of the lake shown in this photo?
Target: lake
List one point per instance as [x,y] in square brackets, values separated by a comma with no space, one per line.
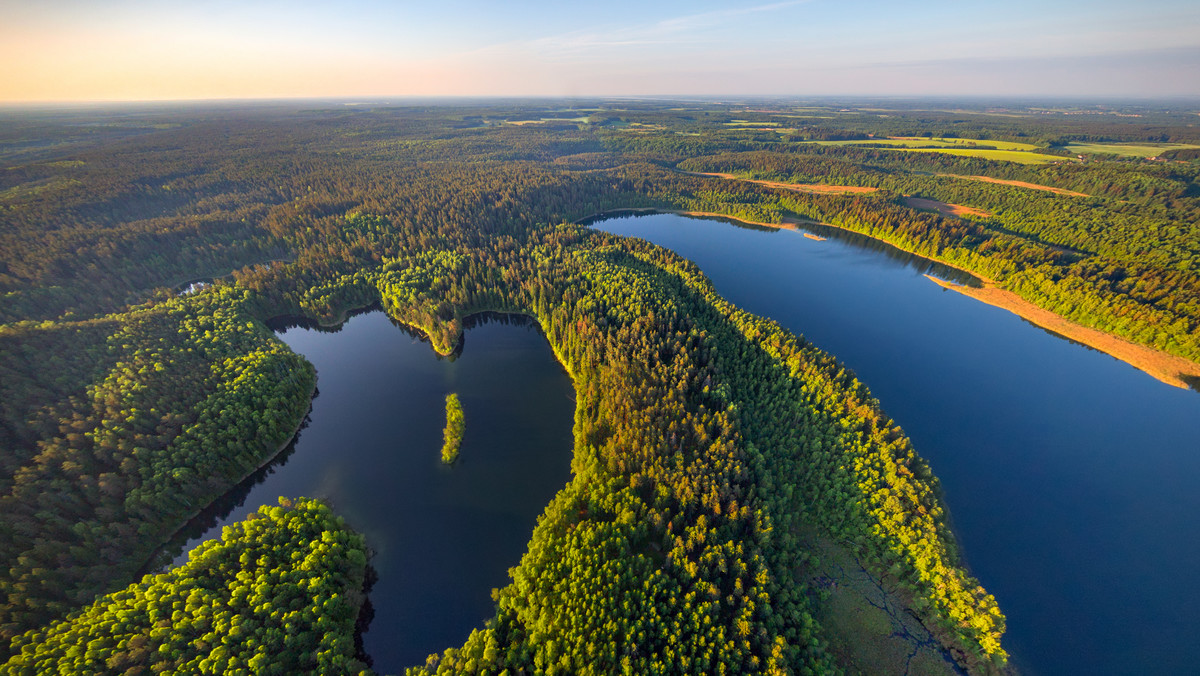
[1070,476]
[443,536]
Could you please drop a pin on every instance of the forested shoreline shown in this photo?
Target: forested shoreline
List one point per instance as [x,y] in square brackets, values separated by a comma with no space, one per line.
[707,439]
[1099,275]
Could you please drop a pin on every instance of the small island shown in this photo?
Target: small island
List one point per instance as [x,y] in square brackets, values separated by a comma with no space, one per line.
[455,424]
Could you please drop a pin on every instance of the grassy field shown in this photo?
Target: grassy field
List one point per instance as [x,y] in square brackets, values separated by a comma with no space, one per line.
[1125,149]
[1011,151]
[747,125]
[548,119]
[1008,155]
[937,143]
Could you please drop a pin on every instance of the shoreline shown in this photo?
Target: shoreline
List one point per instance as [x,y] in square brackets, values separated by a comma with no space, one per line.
[145,568]
[794,224]
[344,315]
[1163,366]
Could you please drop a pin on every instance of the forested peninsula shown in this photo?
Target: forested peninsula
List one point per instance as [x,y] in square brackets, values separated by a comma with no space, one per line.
[719,461]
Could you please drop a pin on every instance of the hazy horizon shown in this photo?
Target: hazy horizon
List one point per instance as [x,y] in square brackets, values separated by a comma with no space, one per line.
[919,102]
[135,50]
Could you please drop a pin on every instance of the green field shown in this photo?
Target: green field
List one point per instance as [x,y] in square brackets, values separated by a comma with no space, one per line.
[1125,149]
[761,126]
[548,119]
[1006,155]
[1010,151]
[936,143]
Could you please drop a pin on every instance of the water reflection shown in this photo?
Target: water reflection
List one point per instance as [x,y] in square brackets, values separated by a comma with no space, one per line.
[284,323]
[442,537]
[920,264]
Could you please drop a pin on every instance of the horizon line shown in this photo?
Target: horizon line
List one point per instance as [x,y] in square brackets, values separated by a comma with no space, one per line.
[706,98]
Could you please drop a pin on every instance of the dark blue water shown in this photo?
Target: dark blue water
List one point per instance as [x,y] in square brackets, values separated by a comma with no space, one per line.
[443,537]
[1071,476]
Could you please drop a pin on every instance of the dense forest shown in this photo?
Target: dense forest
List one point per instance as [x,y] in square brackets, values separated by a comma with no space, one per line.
[279,593]
[707,440]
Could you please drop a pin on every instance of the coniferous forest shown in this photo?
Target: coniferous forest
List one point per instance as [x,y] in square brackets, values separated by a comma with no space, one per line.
[718,457]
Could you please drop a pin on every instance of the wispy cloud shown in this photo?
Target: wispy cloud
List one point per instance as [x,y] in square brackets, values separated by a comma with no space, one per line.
[673,31]
[717,17]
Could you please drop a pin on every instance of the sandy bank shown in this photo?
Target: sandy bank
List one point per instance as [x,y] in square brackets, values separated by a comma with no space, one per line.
[1163,366]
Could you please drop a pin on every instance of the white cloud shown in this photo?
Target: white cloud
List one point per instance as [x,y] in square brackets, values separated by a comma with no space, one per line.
[681,30]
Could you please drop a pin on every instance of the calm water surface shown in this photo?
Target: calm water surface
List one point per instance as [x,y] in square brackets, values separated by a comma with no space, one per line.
[443,536]
[1071,476]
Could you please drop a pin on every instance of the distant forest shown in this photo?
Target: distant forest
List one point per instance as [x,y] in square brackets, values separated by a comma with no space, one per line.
[712,447]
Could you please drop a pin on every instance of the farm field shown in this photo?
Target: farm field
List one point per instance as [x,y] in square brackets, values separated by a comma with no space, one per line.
[914,142]
[1003,155]
[1009,151]
[548,119]
[1126,149]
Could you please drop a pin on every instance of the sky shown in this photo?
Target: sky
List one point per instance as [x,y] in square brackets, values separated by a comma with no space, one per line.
[123,50]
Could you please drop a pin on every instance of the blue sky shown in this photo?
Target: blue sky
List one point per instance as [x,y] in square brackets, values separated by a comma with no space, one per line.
[137,49]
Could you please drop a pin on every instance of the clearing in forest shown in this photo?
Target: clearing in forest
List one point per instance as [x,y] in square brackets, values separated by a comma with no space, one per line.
[1020,156]
[945,208]
[936,143]
[1011,151]
[1126,149]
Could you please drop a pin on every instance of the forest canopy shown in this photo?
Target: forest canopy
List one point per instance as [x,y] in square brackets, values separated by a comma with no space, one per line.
[712,447]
